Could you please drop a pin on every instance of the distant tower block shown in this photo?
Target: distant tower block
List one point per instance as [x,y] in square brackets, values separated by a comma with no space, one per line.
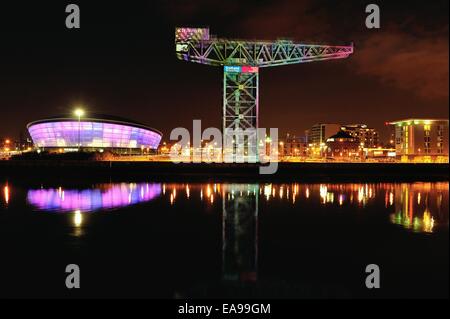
[241,61]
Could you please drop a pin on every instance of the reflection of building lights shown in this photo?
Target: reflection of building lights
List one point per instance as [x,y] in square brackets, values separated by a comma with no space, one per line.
[341,199]
[391,198]
[323,193]
[428,222]
[6,194]
[267,191]
[77,218]
[188,192]
[330,198]
[211,198]
[171,199]
[408,207]
[307,193]
[104,196]
[360,194]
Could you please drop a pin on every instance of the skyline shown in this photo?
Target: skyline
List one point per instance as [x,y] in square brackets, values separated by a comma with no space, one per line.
[122,62]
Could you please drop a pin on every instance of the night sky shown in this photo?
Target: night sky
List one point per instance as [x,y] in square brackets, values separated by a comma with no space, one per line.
[122,62]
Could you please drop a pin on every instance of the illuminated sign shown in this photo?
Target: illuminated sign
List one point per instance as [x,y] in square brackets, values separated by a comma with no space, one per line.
[241,69]
[233,69]
[249,69]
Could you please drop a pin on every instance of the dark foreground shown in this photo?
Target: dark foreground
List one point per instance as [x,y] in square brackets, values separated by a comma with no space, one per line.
[223,240]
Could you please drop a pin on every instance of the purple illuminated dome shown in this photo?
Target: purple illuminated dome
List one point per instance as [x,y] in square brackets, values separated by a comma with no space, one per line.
[93,132]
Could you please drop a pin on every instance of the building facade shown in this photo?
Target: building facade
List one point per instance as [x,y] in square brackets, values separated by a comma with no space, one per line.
[293,146]
[421,140]
[366,135]
[94,133]
[319,133]
[343,146]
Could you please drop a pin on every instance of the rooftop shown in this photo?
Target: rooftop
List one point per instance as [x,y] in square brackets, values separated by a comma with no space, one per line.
[95,117]
[341,134]
[416,121]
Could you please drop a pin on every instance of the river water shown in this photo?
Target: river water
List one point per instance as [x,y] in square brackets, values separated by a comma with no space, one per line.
[154,239]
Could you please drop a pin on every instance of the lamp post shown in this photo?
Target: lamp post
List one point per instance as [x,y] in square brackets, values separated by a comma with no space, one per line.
[79,113]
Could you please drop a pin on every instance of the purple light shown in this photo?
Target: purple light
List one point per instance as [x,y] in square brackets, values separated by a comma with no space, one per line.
[92,134]
[191,34]
[106,196]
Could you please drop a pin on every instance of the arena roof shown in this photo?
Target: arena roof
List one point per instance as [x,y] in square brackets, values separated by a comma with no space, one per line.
[95,117]
[93,131]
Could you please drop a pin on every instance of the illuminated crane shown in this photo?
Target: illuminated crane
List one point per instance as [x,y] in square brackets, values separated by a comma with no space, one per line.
[241,61]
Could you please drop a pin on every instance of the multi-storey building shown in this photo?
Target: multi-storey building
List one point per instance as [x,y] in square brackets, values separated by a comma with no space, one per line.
[293,146]
[421,140]
[343,146]
[319,133]
[367,136]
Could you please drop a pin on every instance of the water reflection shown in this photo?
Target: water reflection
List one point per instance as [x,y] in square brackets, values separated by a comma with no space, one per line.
[6,194]
[419,207]
[102,196]
[239,232]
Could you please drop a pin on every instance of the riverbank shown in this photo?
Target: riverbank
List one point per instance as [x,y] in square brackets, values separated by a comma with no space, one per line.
[80,169]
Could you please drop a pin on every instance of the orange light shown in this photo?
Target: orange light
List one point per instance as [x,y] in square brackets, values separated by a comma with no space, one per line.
[6,193]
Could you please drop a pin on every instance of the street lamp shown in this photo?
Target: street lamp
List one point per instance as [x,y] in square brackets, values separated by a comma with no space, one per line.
[79,113]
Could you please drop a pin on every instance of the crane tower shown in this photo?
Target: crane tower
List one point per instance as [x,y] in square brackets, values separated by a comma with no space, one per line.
[241,61]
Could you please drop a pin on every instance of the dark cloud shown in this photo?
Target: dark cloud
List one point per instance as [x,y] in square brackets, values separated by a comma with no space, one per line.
[417,64]
[299,19]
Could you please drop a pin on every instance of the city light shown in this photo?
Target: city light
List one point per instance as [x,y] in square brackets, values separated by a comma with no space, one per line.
[79,113]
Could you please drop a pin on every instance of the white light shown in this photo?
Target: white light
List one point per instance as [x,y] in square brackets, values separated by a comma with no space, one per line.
[79,112]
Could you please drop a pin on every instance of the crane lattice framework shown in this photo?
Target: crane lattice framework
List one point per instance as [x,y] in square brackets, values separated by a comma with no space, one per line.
[241,61]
